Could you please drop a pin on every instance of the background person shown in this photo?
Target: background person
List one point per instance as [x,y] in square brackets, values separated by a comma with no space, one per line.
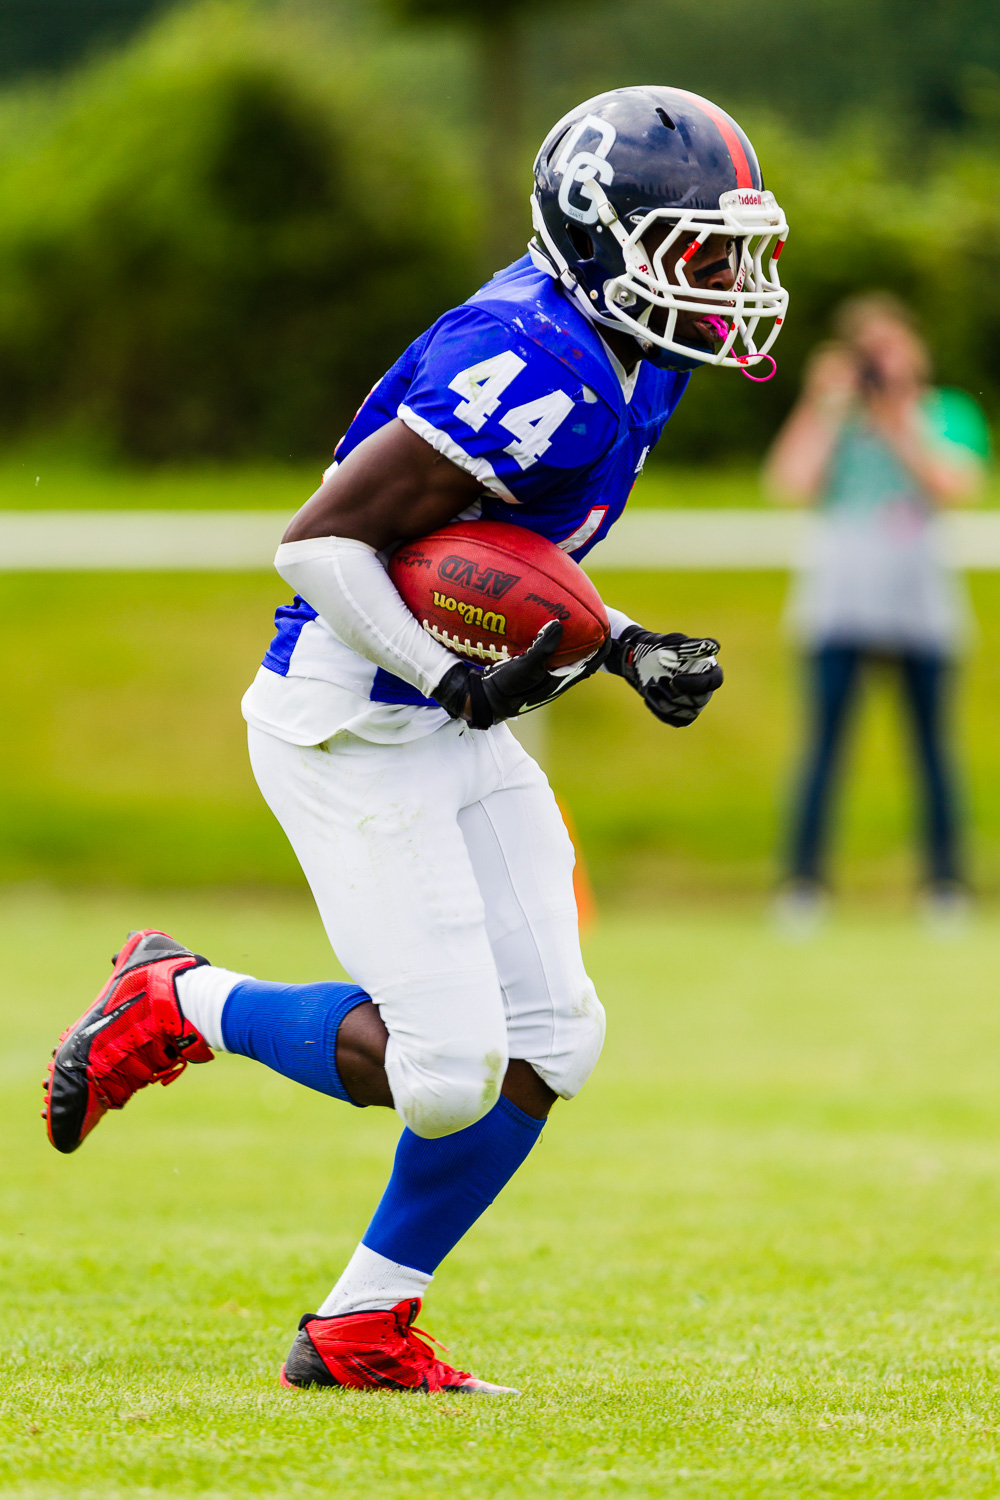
[877,449]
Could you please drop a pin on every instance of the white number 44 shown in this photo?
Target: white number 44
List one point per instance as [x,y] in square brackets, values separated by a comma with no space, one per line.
[532,424]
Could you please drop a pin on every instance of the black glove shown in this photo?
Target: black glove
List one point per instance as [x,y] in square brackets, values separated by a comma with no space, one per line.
[509,688]
[675,674]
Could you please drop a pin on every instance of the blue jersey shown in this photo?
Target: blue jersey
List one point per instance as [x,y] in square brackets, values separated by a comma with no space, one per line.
[516,387]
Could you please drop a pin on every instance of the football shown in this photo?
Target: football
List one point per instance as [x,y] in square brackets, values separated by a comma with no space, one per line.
[484,589]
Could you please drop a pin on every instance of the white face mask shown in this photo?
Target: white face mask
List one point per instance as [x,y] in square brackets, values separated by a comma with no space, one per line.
[745,215]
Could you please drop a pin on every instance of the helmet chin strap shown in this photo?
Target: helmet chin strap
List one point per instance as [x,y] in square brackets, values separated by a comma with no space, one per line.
[669,359]
[551,260]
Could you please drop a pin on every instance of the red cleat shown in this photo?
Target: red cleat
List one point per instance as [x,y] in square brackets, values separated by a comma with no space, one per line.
[134,1034]
[374,1351]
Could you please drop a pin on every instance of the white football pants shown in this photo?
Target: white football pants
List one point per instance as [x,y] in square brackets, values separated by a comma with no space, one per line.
[443,875]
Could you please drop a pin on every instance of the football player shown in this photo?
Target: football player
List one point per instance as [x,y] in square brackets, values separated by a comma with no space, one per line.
[431,841]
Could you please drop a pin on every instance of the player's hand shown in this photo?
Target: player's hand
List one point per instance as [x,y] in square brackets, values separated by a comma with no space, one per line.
[510,688]
[675,675]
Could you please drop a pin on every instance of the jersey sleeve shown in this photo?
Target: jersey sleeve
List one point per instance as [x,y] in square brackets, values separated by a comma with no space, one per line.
[499,406]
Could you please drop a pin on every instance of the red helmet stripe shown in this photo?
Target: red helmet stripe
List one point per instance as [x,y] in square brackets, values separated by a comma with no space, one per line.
[733,143]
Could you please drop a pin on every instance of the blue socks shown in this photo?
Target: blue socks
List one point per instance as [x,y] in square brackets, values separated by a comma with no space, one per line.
[438,1189]
[291,1028]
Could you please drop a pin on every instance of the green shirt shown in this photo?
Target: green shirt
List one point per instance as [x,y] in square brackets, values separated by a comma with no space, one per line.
[876,577]
[865,474]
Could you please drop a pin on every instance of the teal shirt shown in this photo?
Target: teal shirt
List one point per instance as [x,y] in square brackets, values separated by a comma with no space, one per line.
[865,475]
[876,577]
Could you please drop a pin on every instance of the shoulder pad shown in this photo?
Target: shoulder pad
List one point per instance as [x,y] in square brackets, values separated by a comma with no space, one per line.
[531,302]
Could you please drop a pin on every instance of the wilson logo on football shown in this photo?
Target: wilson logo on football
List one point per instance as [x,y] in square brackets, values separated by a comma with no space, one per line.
[463,571]
[473,614]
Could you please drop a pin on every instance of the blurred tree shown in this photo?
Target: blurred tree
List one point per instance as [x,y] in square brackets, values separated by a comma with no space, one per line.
[208,255]
[215,241]
[817,63]
[813,61]
[42,35]
[497,30]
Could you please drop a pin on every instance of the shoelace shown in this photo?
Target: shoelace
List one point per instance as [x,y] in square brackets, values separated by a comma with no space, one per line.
[416,1339]
[127,1072]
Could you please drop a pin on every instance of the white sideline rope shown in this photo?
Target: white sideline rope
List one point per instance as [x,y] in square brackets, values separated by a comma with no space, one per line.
[239,541]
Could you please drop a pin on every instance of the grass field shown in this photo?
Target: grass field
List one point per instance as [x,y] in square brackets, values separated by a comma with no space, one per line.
[758,1258]
[54,480]
[126,761]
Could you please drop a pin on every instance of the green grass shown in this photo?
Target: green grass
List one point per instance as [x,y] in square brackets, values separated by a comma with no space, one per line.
[40,482]
[663,813]
[55,481]
[125,757]
[757,1258]
[52,479]
[126,762]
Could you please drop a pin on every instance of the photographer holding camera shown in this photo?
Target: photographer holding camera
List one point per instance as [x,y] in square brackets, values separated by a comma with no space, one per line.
[877,449]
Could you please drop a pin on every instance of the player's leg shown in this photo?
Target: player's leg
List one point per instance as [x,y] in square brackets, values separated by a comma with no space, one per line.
[163,1007]
[523,863]
[523,859]
[375,831]
[406,916]
[439,1186]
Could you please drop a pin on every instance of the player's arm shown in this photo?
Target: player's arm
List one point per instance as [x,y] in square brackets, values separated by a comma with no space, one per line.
[390,488]
[475,387]
[674,674]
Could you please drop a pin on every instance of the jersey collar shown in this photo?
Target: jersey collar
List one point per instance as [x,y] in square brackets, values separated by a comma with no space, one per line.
[625,380]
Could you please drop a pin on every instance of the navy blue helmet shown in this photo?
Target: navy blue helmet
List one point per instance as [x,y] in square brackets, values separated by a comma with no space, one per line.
[643,158]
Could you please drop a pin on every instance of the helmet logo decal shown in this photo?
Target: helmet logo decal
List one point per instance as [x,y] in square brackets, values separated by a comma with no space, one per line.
[575,166]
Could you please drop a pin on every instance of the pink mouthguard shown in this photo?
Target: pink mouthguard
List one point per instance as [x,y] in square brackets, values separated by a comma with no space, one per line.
[719,327]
